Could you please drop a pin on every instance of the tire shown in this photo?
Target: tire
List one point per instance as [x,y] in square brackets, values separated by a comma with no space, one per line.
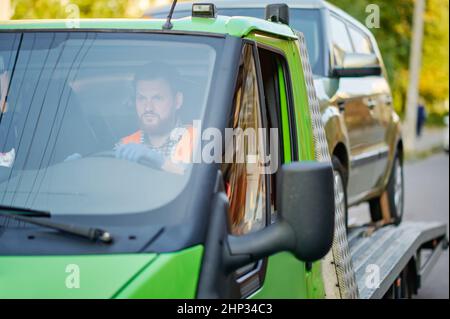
[404,291]
[340,178]
[396,195]
[407,291]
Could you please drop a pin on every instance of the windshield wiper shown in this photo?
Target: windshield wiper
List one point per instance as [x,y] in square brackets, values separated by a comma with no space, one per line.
[26,215]
[11,210]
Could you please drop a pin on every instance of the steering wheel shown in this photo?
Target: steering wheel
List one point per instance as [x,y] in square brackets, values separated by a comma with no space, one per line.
[107,154]
[112,154]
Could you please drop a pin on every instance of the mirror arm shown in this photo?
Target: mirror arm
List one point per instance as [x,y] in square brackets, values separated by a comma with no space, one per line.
[243,250]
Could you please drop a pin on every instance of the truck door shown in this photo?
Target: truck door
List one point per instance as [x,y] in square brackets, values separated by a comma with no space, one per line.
[258,101]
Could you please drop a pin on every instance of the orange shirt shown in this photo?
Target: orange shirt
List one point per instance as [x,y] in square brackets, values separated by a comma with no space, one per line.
[178,148]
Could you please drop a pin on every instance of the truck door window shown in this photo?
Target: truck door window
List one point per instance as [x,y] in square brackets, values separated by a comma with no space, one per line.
[340,38]
[246,187]
[252,194]
[361,42]
[277,99]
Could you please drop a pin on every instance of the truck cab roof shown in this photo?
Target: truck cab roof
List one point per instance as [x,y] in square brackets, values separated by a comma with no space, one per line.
[221,25]
[229,4]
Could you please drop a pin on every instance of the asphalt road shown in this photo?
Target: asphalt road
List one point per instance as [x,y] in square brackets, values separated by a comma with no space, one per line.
[427,198]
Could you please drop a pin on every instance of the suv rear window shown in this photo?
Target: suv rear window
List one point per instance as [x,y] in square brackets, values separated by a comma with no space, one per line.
[361,42]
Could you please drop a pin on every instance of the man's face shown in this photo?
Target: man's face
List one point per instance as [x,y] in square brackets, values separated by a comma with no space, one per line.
[156,105]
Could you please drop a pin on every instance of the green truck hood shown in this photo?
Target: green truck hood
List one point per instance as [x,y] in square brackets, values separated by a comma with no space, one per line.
[101,276]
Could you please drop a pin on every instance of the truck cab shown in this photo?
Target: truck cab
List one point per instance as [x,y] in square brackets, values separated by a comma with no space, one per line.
[221,228]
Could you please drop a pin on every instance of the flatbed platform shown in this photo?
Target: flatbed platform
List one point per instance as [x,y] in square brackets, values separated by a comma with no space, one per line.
[390,248]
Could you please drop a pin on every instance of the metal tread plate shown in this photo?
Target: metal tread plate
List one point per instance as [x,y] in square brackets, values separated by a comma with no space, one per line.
[387,250]
[337,270]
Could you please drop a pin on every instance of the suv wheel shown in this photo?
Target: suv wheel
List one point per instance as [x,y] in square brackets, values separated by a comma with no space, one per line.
[396,195]
[340,188]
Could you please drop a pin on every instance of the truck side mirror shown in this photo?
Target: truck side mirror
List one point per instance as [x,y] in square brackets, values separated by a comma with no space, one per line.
[306,202]
[305,196]
[357,65]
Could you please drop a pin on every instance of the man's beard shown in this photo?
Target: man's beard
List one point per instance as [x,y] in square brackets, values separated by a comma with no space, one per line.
[163,126]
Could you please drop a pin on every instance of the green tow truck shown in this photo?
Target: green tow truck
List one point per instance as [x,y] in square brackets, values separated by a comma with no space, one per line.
[82,218]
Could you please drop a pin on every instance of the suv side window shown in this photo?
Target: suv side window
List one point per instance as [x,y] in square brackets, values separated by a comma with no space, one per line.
[340,37]
[246,187]
[361,42]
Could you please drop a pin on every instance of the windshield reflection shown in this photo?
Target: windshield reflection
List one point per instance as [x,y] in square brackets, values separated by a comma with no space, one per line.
[98,123]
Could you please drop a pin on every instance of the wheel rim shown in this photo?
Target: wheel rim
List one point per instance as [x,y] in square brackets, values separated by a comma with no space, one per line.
[339,194]
[398,190]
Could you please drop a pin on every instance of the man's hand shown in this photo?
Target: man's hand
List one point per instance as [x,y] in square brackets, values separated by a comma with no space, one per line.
[139,153]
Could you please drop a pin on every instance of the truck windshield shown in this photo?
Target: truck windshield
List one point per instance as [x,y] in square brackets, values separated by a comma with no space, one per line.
[89,120]
[307,21]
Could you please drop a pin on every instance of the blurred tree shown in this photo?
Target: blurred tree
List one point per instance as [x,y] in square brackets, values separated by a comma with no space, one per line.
[5,9]
[434,75]
[37,9]
[56,9]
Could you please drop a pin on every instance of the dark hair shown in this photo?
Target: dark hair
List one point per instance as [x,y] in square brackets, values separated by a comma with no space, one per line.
[158,70]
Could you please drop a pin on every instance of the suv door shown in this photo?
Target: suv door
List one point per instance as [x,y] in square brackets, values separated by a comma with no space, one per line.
[381,100]
[353,98]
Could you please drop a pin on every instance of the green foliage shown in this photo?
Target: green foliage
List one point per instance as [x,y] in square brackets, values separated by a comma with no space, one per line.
[434,75]
[394,40]
[435,120]
[38,9]
[62,9]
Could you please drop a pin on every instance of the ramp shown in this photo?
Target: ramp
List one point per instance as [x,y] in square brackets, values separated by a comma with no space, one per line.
[389,249]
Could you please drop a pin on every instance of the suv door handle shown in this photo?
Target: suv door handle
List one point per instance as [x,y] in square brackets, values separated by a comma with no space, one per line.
[388,100]
[371,103]
[341,105]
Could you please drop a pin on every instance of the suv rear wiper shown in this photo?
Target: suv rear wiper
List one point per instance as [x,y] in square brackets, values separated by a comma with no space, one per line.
[26,215]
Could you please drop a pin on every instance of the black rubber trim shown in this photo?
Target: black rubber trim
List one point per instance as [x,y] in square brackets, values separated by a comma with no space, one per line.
[117,30]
